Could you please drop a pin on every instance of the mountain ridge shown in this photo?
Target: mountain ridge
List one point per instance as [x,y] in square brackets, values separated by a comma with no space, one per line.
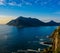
[28,22]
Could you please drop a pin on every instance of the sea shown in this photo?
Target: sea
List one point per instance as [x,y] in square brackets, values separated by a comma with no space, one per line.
[13,38]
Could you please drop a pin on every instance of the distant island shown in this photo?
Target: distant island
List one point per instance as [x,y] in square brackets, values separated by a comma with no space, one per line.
[30,22]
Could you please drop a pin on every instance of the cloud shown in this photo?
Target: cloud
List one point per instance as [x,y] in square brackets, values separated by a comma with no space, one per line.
[2,2]
[58,13]
[12,3]
[20,5]
[28,3]
[15,2]
[36,1]
[24,2]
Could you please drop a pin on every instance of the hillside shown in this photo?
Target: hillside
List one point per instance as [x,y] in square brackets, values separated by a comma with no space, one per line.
[29,22]
[24,22]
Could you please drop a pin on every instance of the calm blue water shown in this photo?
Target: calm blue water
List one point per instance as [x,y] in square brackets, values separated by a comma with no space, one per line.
[13,38]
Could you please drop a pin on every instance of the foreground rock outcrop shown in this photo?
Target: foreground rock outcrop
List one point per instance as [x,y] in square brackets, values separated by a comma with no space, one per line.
[56,42]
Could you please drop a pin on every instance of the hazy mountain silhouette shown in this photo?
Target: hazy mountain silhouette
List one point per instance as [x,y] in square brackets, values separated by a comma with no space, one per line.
[23,21]
[29,22]
[52,23]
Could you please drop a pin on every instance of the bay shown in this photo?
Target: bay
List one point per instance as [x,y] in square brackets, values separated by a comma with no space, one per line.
[13,38]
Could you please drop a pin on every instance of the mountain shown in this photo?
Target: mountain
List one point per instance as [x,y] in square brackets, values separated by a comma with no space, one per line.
[52,23]
[25,22]
[29,22]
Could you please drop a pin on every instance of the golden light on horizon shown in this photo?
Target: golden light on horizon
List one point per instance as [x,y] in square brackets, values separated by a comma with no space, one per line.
[4,20]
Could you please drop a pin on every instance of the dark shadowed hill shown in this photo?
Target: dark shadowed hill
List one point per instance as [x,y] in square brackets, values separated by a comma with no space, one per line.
[52,23]
[26,22]
[29,22]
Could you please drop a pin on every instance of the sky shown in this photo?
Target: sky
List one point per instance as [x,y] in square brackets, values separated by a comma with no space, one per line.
[44,10]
